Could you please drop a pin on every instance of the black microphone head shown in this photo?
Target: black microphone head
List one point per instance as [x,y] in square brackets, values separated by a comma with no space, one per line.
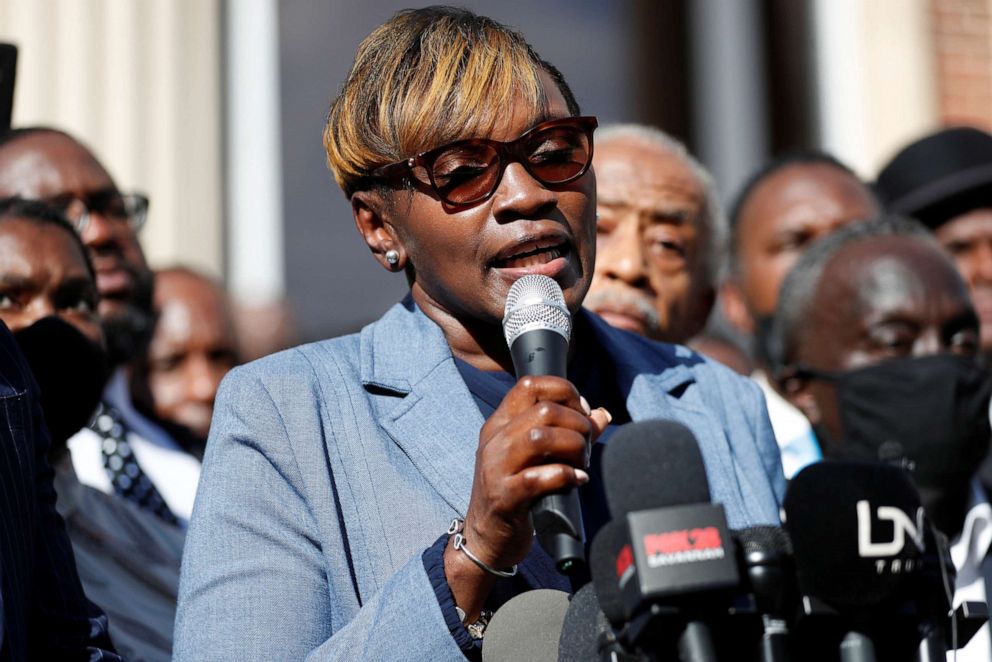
[769,541]
[653,464]
[603,566]
[527,627]
[857,533]
[535,302]
[585,629]
[766,555]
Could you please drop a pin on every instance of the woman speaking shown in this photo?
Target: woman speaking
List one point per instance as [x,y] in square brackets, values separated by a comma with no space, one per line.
[368,497]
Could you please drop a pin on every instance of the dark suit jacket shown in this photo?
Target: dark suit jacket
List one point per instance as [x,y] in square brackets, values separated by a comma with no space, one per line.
[128,561]
[45,614]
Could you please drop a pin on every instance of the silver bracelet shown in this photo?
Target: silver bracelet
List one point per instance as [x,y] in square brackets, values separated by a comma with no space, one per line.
[457,525]
[476,630]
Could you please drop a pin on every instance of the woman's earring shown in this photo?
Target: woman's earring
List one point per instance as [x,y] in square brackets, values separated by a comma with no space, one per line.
[393,257]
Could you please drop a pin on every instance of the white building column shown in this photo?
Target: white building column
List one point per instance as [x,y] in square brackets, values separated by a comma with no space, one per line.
[139,82]
[876,84]
[256,273]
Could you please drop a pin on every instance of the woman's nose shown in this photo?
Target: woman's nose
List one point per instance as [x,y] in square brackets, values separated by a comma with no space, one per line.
[519,195]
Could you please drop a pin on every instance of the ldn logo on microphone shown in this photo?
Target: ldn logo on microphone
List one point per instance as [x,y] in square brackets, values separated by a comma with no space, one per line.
[903,529]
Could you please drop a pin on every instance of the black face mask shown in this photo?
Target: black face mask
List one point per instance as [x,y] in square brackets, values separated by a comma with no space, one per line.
[71,371]
[928,414]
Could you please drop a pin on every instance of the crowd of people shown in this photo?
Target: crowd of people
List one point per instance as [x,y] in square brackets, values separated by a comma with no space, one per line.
[370,494]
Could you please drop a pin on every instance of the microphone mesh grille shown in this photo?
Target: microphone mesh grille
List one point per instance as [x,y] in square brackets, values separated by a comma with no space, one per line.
[535,302]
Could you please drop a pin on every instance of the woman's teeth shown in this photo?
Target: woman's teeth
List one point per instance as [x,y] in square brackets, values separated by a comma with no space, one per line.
[543,256]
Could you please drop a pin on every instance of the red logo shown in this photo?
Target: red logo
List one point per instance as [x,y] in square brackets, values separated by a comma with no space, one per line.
[674,547]
[625,559]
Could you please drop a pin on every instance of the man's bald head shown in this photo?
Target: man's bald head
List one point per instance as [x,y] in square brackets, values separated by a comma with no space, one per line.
[876,291]
[193,347]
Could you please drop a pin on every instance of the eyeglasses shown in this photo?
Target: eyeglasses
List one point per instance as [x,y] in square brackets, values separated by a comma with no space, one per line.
[130,208]
[467,172]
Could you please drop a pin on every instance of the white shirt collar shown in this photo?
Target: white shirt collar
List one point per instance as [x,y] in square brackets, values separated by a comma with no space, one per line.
[971,546]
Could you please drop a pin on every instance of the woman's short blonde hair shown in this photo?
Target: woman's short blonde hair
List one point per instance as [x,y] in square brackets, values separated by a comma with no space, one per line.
[424,78]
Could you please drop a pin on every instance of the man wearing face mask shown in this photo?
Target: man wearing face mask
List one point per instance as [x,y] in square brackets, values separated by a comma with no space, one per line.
[122,452]
[128,559]
[783,208]
[44,613]
[879,346]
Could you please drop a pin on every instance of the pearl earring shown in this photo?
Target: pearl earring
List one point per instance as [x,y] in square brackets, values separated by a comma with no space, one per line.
[393,257]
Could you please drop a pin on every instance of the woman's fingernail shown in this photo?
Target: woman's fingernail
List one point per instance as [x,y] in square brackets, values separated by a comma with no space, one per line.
[609,416]
[582,476]
[585,405]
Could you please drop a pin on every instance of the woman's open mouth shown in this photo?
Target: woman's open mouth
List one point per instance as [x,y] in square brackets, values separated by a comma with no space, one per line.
[545,253]
[533,258]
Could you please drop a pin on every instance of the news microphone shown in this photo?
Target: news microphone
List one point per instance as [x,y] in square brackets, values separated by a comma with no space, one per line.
[537,327]
[608,560]
[653,464]
[586,635]
[527,627]
[675,552]
[858,534]
[766,555]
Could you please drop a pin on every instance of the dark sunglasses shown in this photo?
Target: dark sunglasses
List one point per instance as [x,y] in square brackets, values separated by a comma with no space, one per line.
[467,172]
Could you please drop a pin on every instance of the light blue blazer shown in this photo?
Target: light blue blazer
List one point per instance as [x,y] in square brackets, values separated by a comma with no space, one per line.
[331,467]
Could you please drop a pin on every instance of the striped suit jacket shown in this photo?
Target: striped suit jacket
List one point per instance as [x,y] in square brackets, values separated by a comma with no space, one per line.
[45,614]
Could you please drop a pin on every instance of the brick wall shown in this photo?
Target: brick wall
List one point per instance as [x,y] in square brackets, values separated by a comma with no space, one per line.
[962,31]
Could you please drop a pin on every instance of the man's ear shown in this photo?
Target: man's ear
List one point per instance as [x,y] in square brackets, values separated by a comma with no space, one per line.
[796,388]
[372,218]
[734,308]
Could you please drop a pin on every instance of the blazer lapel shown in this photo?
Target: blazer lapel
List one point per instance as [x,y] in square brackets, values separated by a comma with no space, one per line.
[667,390]
[436,422]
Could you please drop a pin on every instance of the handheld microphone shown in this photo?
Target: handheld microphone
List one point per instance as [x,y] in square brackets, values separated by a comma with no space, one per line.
[528,627]
[537,327]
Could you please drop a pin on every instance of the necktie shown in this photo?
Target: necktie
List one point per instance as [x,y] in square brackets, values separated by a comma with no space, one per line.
[129,481]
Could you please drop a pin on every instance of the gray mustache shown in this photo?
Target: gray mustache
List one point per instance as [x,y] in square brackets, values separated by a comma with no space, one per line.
[623,297]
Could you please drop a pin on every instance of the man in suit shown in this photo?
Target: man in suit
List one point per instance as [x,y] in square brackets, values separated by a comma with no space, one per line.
[127,559]
[45,614]
[780,211]
[879,346]
[49,165]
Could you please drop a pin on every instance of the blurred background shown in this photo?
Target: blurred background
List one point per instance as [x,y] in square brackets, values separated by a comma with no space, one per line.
[215,108]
